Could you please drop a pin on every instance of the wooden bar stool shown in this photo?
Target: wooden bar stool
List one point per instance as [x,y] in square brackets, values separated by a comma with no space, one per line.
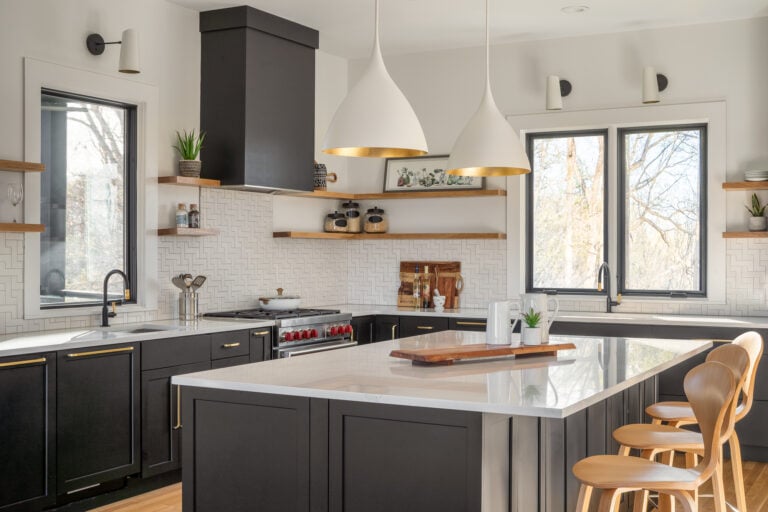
[679,413]
[710,388]
[654,439]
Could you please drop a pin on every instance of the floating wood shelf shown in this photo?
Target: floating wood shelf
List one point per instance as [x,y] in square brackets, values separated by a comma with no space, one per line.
[425,194]
[745,234]
[14,227]
[187,232]
[388,236]
[746,185]
[188,182]
[16,166]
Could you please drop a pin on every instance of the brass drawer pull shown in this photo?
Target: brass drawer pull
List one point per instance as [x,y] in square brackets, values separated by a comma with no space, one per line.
[177,426]
[23,363]
[100,352]
[394,328]
[425,327]
[471,323]
[231,345]
[259,333]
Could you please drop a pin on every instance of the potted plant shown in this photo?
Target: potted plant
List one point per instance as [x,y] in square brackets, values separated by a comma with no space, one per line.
[757,221]
[531,332]
[189,145]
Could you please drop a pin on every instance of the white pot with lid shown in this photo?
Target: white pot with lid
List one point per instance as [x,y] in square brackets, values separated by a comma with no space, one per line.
[280,301]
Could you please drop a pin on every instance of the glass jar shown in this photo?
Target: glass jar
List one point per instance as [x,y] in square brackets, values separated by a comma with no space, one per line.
[354,218]
[376,221]
[194,216]
[335,222]
[182,218]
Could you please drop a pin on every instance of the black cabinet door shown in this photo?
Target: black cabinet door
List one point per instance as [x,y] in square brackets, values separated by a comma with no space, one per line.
[97,415]
[261,345]
[416,325]
[467,324]
[386,327]
[363,327]
[161,418]
[27,432]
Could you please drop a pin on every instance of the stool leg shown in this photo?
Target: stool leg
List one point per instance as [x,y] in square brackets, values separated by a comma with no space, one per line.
[718,489]
[691,460]
[738,474]
[641,497]
[609,500]
[585,494]
[624,450]
[687,501]
[666,501]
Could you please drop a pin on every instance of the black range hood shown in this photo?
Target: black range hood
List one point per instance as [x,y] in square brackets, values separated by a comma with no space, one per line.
[257,100]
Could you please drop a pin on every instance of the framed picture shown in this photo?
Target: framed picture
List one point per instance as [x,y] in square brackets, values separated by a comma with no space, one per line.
[416,174]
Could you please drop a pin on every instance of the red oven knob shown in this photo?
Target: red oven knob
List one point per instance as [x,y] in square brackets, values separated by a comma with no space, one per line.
[313,333]
[333,330]
[305,334]
[348,329]
[288,336]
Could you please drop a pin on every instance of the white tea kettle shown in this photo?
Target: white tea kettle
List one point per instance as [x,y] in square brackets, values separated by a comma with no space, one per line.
[499,328]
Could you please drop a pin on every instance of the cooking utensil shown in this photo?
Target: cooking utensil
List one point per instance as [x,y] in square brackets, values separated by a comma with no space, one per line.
[459,288]
[280,301]
[178,281]
[188,280]
[198,282]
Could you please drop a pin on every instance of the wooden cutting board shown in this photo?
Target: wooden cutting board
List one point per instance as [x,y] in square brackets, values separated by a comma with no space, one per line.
[443,274]
[447,355]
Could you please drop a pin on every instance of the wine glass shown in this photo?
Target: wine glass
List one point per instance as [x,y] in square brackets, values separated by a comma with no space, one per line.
[15,195]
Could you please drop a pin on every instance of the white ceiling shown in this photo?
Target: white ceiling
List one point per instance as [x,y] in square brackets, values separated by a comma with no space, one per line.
[409,26]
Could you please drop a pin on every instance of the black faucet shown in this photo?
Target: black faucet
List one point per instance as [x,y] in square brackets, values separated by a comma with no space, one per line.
[604,276]
[105,313]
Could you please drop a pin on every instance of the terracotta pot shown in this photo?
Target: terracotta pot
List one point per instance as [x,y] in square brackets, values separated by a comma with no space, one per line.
[190,168]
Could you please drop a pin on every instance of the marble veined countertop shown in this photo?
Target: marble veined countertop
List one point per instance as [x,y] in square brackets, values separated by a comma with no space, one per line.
[550,386]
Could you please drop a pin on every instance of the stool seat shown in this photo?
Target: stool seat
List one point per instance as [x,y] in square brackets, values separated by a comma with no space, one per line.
[659,438]
[679,413]
[619,472]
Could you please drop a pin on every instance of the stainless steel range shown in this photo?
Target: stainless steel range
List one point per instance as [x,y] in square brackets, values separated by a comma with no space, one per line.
[301,331]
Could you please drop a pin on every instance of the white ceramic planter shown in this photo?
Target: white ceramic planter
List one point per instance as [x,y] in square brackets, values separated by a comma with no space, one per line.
[531,335]
[757,223]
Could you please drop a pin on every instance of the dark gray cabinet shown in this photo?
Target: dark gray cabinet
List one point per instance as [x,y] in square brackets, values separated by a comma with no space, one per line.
[27,432]
[363,329]
[416,325]
[97,416]
[261,345]
[386,327]
[257,99]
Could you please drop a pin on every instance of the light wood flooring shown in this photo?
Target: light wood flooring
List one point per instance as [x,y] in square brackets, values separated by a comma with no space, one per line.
[168,499]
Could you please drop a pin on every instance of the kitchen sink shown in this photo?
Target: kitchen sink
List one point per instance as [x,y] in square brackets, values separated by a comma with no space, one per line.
[118,331]
[142,330]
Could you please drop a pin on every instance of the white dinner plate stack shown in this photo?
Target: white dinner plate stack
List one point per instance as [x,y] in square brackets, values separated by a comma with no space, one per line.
[756,175]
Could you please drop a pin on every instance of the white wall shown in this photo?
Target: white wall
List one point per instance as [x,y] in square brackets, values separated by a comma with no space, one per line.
[703,62]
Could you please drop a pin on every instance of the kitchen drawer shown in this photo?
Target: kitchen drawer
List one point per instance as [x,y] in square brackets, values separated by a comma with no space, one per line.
[175,351]
[467,324]
[230,361]
[230,344]
[416,325]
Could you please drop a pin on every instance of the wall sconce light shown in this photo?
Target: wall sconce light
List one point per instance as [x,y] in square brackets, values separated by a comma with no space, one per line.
[652,84]
[557,89]
[129,49]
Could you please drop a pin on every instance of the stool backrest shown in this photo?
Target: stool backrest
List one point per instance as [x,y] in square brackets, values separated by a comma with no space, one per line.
[710,388]
[753,344]
[737,359]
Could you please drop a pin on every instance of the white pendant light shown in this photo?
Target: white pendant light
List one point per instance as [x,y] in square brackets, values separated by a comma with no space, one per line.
[488,146]
[375,119]
[129,52]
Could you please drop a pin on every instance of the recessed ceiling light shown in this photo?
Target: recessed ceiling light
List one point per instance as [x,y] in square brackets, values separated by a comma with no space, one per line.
[574,9]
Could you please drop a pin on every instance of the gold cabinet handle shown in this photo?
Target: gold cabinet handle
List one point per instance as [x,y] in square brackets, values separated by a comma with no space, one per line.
[394,327]
[471,323]
[425,327]
[100,352]
[231,345]
[259,333]
[177,426]
[25,362]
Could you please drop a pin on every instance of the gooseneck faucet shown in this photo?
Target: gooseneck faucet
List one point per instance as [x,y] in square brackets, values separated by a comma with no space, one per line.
[105,313]
[604,276]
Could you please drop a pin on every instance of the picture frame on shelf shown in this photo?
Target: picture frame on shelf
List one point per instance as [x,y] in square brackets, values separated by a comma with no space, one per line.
[418,174]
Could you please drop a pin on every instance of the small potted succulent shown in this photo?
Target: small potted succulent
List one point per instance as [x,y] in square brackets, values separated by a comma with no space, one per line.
[757,221]
[531,332]
[189,145]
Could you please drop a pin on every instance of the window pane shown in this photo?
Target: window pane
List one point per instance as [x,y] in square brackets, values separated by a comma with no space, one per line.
[663,209]
[83,199]
[568,218]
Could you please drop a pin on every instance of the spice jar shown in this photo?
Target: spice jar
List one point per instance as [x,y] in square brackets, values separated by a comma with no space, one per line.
[375,221]
[182,218]
[194,216]
[354,218]
[336,222]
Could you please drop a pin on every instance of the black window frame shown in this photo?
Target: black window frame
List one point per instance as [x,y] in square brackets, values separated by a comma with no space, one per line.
[622,217]
[131,193]
[530,137]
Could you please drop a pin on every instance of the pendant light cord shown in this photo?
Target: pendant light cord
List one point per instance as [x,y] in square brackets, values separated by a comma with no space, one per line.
[376,46]
[487,47]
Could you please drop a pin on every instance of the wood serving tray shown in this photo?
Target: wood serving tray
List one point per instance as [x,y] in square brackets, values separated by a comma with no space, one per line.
[447,355]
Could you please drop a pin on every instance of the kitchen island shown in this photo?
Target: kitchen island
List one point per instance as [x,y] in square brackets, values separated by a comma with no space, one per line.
[357,430]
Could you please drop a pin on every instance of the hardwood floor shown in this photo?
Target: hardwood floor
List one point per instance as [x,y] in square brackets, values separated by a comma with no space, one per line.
[168,499]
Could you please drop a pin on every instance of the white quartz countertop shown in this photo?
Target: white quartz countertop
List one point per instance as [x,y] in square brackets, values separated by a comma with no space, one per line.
[549,386]
[745,322]
[44,341]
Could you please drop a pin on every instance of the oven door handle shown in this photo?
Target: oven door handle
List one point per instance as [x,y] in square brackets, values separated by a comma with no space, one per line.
[291,353]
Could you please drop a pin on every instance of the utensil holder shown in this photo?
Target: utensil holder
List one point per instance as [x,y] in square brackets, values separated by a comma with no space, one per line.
[188,306]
